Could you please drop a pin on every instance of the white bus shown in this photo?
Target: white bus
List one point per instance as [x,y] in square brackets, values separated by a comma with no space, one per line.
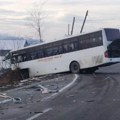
[84,52]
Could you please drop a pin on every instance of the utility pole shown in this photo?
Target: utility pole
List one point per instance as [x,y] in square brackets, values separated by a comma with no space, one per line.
[68,29]
[73,25]
[84,22]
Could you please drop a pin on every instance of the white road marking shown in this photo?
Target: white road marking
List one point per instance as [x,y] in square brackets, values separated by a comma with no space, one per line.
[39,114]
[61,90]
[70,84]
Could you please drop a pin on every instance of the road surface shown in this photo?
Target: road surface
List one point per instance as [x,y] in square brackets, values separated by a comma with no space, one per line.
[90,97]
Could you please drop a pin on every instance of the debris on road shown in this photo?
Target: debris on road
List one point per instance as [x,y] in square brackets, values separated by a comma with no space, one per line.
[9,98]
[17,100]
[29,92]
[4,95]
[45,90]
[22,81]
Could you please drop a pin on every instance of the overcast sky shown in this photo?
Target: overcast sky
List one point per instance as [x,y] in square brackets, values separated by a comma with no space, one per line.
[59,13]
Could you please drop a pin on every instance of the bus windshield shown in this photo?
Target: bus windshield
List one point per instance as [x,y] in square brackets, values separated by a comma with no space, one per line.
[112,34]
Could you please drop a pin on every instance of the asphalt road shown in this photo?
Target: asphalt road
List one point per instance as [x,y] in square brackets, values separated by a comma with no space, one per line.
[91,97]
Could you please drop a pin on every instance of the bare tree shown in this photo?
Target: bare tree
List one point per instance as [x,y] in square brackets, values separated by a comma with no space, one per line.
[36,18]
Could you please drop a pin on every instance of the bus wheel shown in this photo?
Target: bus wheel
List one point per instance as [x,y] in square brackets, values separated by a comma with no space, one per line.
[75,67]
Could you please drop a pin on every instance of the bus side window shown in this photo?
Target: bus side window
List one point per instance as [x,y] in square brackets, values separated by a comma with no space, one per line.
[48,52]
[85,44]
[100,40]
[13,60]
[68,47]
[93,42]
[65,48]
[55,51]
[20,58]
[40,54]
[24,57]
[29,57]
[60,50]
[81,44]
[75,45]
[34,55]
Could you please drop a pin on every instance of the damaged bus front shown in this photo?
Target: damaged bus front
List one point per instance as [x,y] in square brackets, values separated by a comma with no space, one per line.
[113,49]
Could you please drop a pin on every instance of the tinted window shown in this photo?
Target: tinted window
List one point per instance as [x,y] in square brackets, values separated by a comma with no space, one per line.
[112,34]
[90,40]
[69,47]
[55,50]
